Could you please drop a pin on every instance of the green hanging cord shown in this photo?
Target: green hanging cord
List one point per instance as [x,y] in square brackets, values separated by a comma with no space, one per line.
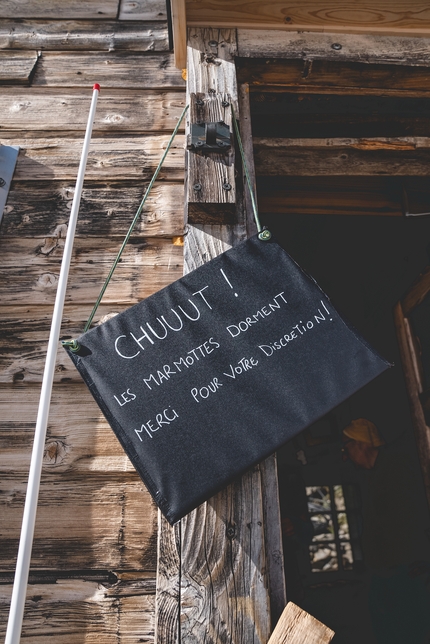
[265,234]
[136,217]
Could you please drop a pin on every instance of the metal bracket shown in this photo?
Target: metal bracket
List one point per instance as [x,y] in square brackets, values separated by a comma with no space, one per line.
[210,137]
[8,157]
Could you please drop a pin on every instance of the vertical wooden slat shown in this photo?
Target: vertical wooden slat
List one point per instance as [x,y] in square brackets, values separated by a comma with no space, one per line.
[179,28]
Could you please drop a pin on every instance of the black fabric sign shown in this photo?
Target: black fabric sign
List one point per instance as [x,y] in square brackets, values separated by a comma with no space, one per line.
[213,373]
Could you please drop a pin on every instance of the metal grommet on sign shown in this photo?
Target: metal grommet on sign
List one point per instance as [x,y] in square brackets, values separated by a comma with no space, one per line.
[265,235]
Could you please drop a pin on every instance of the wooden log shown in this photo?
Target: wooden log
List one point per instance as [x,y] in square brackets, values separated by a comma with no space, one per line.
[168,588]
[58,10]
[81,612]
[296,626]
[122,157]
[16,67]
[142,10]
[36,209]
[122,110]
[80,35]
[332,77]
[312,157]
[331,195]
[91,522]
[398,18]
[30,269]
[364,48]
[136,70]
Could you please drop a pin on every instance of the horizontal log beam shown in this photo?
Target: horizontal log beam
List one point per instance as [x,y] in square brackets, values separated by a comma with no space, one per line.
[117,110]
[16,67]
[37,209]
[134,70]
[311,157]
[58,10]
[30,270]
[359,48]
[80,35]
[142,10]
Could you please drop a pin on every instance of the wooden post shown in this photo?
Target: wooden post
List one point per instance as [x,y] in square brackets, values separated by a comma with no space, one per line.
[223,567]
[296,626]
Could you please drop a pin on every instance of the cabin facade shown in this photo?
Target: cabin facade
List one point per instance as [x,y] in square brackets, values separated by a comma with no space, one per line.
[333,108]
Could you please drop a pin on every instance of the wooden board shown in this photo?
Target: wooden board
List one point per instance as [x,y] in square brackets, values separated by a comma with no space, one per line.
[77,611]
[135,70]
[142,10]
[312,157]
[296,626]
[398,17]
[30,270]
[122,110]
[330,195]
[322,77]
[59,10]
[365,48]
[16,67]
[66,35]
[36,209]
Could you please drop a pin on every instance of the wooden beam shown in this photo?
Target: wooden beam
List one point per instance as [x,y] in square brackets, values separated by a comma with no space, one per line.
[142,10]
[331,77]
[179,28]
[312,157]
[16,67]
[59,10]
[120,110]
[398,18]
[358,48]
[80,35]
[296,626]
[138,70]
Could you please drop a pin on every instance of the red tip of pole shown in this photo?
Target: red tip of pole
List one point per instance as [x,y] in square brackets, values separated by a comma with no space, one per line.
[96,86]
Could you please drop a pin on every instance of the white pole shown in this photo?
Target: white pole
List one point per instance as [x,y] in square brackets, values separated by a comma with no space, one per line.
[16,613]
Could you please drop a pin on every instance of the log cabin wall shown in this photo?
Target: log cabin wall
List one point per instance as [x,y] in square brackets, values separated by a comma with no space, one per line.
[94,559]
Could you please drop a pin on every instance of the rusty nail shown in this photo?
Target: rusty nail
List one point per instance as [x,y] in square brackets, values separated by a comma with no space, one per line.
[197,187]
[226,185]
[337,46]
[225,103]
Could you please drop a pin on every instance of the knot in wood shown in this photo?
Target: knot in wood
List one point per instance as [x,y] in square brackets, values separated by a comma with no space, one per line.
[55,452]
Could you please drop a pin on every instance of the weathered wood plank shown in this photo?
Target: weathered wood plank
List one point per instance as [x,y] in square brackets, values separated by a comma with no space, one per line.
[142,10]
[30,269]
[399,17]
[91,522]
[364,48]
[296,626]
[59,10]
[331,195]
[66,35]
[211,183]
[135,70]
[37,209]
[179,32]
[311,157]
[111,157]
[124,110]
[167,601]
[322,77]
[223,591]
[16,67]
[81,612]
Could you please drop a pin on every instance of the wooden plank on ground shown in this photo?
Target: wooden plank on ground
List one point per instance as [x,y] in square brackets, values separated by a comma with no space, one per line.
[365,48]
[123,157]
[75,611]
[122,110]
[134,70]
[16,67]
[322,77]
[296,626]
[399,18]
[81,35]
[60,10]
[312,157]
[331,195]
[142,10]
[37,209]
[30,269]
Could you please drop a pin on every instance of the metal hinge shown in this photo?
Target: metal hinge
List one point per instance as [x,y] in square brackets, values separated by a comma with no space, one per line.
[210,137]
